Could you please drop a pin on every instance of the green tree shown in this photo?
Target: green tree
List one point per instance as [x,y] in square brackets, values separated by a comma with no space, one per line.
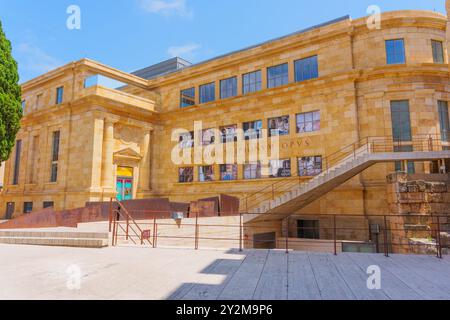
[10,98]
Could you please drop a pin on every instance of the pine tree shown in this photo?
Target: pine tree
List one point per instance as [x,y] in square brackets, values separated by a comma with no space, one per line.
[10,98]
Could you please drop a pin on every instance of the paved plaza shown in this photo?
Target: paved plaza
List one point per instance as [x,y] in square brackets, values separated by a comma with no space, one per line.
[29,272]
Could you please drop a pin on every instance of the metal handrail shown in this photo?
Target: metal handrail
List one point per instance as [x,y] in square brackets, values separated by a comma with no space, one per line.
[370,144]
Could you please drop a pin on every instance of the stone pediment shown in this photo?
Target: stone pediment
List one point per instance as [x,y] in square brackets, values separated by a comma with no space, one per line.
[128,154]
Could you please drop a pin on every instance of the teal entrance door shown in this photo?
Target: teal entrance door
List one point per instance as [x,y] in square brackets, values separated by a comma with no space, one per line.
[124,189]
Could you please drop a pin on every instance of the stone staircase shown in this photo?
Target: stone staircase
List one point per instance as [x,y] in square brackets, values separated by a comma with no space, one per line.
[290,196]
[61,237]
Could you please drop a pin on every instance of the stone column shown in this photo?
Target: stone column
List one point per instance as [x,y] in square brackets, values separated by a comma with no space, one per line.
[145,165]
[107,158]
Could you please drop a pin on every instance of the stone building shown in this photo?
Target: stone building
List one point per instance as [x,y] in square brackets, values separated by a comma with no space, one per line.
[317,90]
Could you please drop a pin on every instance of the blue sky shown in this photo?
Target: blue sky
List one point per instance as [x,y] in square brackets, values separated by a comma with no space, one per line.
[131,34]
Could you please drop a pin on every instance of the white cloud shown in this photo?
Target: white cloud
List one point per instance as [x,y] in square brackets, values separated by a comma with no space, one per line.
[34,60]
[187,51]
[167,7]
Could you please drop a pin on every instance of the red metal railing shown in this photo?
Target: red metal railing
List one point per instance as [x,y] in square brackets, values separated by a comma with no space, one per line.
[368,145]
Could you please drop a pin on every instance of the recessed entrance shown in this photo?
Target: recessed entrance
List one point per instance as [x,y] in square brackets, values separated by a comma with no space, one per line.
[124,183]
[10,208]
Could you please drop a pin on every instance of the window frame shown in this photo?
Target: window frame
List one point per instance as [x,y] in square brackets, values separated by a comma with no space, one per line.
[27,207]
[182,98]
[252,133]
[313,73]
[252,170]
[401,120]
[392,59]
[310,172]
[228,88]
[307,122]
[280,132]
[201,171]
[234,172]
[60,95]
[282,167]
[436,53]
[17,159]
[181,175]
[211,93]
[281,78]
[56,141]
[252,86]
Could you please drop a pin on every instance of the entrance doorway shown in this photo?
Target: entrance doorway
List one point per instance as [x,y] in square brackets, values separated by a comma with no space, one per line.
[124,184]
[10,208]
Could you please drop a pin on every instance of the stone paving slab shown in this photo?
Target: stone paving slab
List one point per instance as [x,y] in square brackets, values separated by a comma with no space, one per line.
[32,272]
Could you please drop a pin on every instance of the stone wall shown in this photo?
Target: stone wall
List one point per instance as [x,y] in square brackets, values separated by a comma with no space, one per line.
[414,202]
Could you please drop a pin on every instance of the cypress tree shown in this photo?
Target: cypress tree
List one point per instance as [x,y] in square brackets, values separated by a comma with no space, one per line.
[10,98]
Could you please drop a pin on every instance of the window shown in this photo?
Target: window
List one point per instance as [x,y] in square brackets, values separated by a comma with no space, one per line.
[438,51]
[278,76]
[55,157]
[187,98]
[444,120]
[228,172]
[278,126]
[280,168]
[228,134]
[309,166]
[186,140]
[17,162]
[228,88]
[27,207]
[208,137]
[398,164]
[252,171]
[186,175]
[251,82]
[401,122]
[24,105]
[39,101]
[34,158]
[306,69]
[206,173]
[208,92]
[59,95]
[308,122]
[308,229]
[395,51]
[252,130]
[48,204]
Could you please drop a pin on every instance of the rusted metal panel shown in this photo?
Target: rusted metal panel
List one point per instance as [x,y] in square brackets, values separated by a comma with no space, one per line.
[229,206]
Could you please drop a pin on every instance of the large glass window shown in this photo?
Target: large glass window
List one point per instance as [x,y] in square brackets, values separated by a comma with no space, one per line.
[438,51]
[55,157]
[17,162]
[206,173]
[187,140]
[309,166]
[24,105]
[208,92]
[228,172]
[444,120]
[278,76]
[27,207]
[59,95]
[306,69]
[280,168]
[401,121]
[395,51]
[228,88]
[252,130]
[252,171]
[187,98]
[308,122]
[228,133]
[251,82]
[48,204]
[186,175]
[208,137]
[278,126]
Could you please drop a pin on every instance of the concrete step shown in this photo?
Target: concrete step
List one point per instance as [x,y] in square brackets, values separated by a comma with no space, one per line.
[56,242]
[52,234]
